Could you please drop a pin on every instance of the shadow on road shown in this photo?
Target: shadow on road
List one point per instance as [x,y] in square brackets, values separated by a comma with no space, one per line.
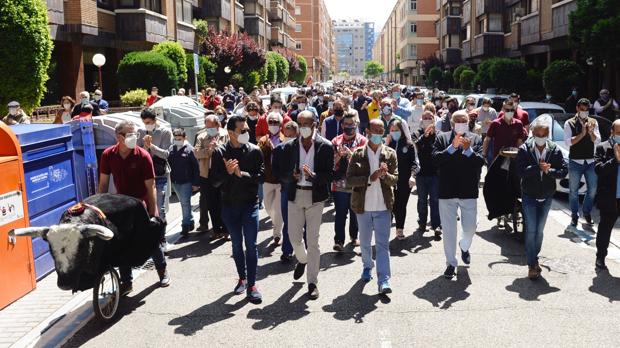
[412,244]
[336,259]
[196,245]
[606,285]
[531,290]
[510,247]
[207,315]
[355,304]
[281,311]
[445,292]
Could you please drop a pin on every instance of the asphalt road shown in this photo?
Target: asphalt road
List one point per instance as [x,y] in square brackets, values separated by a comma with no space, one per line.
[492,303]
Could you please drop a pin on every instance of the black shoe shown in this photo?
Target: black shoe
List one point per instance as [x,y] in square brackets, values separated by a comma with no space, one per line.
[600,265]
[276,241]
[450,272]
[126,288]
[465,256]
[286,258]
[422,228]
[338,247]
[299,270]
[313,291]
[588,219]
[573,221]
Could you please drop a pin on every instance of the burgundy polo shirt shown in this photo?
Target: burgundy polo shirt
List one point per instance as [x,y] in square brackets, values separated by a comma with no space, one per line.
[129,173]
[505,135]
[519,114]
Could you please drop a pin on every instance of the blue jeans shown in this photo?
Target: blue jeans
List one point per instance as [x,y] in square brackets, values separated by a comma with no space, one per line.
[535,215]
[184,193]
[428,193]
[575,172]
[378,222]
[161,186]
[342,203]
[242,223]
[287,247]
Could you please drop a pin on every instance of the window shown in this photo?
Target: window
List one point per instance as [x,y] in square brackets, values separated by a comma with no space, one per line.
[184,11]
[298,28]
[128,3]
[495,22]
[453,9]
[413,5]
[106,4]
[412,51]
[481,27]
[297,10]
[153,5]
[532,6]
[413,27]
[298,45]
[468,32]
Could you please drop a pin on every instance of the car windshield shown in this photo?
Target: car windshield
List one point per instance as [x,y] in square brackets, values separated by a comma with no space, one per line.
[533,113]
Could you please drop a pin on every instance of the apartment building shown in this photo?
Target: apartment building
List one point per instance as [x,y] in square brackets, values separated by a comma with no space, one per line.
[282,23]
[223,15]
[353,42]
[82,28]
[407,38]
[314,37]
[256,22]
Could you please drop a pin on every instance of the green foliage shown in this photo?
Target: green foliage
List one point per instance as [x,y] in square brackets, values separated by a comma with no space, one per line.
[446,79]
[136,97]
[175,52]
[456,74]
[435,75]
[282,68]
[250,80]
[147,69]
[24,53]
[560,76]
[206,74]
[299,76]
[271,72]
[466,79]
[236,79]
[533,88]
[202,29]
[277,67]
[483,75]
[594,29]
[373,69]
[508,75]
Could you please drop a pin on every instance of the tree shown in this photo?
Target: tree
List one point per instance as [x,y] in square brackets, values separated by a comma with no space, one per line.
[560,76]
[373,69]
[281,65]
[145,69]
[533,88]
[456,74]
[24,54]
[508,75]
[299,75]
[446,79]
[270,69]
[175,52]
[434,75]
[206,73]
[430,62]
[483,75]
[202,29]
[467,77]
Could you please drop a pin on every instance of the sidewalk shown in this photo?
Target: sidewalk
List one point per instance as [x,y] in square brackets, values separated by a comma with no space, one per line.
[24,321]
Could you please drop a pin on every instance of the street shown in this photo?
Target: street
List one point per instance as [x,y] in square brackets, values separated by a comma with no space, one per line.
[491,303]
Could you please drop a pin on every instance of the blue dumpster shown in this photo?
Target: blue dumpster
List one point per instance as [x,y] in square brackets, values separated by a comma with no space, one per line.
[85,158]
[49,167]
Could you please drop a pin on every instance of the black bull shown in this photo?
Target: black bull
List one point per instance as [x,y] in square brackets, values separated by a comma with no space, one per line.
[135,237]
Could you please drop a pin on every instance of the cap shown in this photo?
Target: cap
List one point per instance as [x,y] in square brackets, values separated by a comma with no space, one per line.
[13,104]
[584,101]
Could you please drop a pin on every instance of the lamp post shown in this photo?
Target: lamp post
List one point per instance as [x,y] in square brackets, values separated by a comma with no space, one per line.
[99,61]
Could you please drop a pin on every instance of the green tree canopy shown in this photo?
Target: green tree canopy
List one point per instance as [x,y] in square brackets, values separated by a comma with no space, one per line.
[145,69]
[175,52]
[373,69]
[25,53]
[466,79]
[560,76]
[456,75]
[299,75]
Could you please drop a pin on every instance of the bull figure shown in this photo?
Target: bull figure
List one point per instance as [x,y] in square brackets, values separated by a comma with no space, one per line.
[106,230]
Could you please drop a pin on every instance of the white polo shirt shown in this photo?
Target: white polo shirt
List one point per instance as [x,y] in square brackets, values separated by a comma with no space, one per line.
[374,196]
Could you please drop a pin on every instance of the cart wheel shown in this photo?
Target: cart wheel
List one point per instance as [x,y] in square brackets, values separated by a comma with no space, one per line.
[106,295]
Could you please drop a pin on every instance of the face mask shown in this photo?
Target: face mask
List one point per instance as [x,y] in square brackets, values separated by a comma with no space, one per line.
[221,117]
[616,139]
[212,132]
[605,97]
[306,132]
[338,112]
[485,108]
[426,123]
[349,130]
[395,135]
[301,106]
[540,141]
[574,93]
[244,138]
[469,107]
[154,94]
[396,95]
[179,143]
[13,111]
[84,101]
[420,102]
[330,104]
[253,118]
[461,128]
[149,127]
[274,129]
[97,97]
[508,115]
[387,110]
[277,110]
[376,138]
[584,114]
[67,106]
[548,97]
[131,141]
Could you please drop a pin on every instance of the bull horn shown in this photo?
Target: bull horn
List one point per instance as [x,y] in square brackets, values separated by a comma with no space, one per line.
[29,232]
[93,230]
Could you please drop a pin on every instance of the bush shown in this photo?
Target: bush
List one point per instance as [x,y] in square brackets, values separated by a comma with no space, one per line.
[147,69]
[175,52]
[207,71]
[237,80]
[466,80]
[434,75]
[560,76]
[299,76]
[447,81]
[277,61]
[24,54]
[136,97]
[508,75]
[271,69]
[483,75]
[533,89]
[456,74]
[250,80]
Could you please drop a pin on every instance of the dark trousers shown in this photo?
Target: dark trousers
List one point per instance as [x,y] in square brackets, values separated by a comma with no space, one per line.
[608,219]
[159,259]
[342,203]
[242,223]
[402,193]
[210,205]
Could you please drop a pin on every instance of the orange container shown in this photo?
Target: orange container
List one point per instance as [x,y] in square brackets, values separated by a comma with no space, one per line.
[17,276]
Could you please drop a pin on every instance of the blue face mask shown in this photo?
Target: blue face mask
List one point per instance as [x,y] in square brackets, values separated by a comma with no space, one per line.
[212,132]
[376,138]
[395,135]
[396,95]
[616,139]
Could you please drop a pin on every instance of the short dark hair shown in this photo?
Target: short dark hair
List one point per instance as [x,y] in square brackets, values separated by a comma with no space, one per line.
[153,89]
[178,132]
[276,99]
[515,95]
[148,113]
[232,122]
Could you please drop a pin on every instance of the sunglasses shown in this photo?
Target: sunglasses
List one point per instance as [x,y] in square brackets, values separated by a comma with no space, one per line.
[274,122]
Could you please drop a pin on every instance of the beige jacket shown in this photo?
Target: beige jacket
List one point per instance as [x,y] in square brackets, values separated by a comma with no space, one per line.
[204,147]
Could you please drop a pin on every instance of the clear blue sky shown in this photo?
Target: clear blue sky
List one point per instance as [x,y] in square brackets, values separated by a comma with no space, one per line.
[376,11]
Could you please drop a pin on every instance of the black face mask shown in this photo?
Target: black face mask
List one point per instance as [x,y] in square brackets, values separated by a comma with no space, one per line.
[349,130]
[339,112]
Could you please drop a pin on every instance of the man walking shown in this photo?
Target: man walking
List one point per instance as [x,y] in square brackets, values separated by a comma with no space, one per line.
[459,160]
[306,167]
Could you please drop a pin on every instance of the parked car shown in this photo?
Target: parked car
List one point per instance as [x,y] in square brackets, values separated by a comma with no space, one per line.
[497,99]
[535,109]
[557,136]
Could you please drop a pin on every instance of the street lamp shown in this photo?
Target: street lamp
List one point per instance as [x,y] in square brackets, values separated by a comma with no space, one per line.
[99,61]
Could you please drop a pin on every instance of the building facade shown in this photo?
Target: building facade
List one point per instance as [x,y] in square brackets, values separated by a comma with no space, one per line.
[353,42]
[283,23]
[256,21]
[314,37]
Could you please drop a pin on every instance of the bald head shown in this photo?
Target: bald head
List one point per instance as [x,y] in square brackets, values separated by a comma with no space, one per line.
[615,127]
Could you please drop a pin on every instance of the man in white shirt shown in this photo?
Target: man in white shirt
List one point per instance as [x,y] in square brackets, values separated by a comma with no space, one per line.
[416,113]
[581,135]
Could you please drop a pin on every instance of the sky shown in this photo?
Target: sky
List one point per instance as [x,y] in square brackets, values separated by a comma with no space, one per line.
[376,11]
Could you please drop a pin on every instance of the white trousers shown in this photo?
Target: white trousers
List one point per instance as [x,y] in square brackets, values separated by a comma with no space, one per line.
[448,209]
[271,199]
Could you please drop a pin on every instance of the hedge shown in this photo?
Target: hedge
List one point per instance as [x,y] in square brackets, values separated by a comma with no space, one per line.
[467,77]
[24,54]
[299,76]
[175,52]
[560,76]
[147,69]
[456,75]
[136,97]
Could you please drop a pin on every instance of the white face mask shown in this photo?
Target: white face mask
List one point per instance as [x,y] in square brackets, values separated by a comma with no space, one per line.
[469,107]
[274,129]
[426,123]
[12,111]
[387,110]
[97,97]
[84,101]
[461,128]
[131,140]
[301,106]
[179,143]
[67,106]
[149,127]
[584,114]
[540,141]
[485,108]
[244,138]
[253,118]
[278,110]
[508,115]
[306,132]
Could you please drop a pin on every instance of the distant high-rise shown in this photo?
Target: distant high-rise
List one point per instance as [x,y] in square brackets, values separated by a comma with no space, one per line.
[354,42]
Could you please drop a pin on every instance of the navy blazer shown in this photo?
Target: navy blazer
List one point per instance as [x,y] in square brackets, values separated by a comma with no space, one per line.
[606,167]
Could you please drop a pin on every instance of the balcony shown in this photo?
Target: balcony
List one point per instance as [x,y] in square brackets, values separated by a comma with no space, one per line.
[141,25]
[488,6]
[289,20]
[530,29]
[512,41]
[277,36]
[185,35]
[55,12]
[216,8]
[450,25]
[239,17]
[451,56]
[488,45]
[255,26]
[466,11]
[289,42]
[276,11]
[466,50]
[559,17]
[268,32]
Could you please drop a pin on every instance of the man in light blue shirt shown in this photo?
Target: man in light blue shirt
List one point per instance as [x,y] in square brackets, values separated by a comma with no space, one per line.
[400,106]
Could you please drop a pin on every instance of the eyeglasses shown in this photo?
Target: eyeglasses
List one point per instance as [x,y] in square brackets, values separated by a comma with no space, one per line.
[243,131]
[274,122]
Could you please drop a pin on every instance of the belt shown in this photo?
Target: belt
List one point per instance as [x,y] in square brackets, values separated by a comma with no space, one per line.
[305,188]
